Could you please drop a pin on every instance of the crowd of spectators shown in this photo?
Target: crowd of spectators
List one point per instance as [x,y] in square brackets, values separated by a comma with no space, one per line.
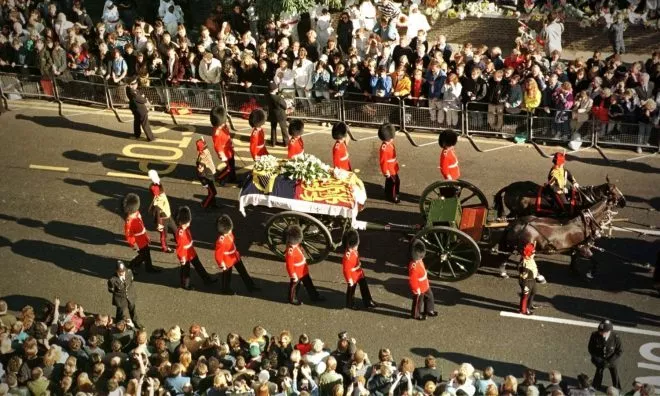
[366,53]
[61,350]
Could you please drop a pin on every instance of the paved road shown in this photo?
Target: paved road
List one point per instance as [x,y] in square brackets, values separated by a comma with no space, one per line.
[62,233]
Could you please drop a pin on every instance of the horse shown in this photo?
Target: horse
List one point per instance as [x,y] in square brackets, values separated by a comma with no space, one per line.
[559,236]
[522,198]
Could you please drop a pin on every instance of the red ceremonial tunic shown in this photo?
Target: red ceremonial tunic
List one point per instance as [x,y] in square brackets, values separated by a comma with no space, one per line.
[226,254]
[257,143]
[388,163]
[417,277]
[296,147]
[296,265]
[340,158]
[135,232]
[449,164]
[222,143]
[352,268]
[184,245]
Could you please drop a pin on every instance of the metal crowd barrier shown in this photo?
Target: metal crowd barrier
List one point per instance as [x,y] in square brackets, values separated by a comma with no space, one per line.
[409,114]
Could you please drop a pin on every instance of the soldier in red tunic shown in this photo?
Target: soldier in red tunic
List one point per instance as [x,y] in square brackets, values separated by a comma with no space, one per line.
[296,266]
[388,163]
[227,256]
[223,145]
[340,157]
[423,304]
[448,160]
[257,139]
[296,146]
[136,234]
[353,273]
[185,251]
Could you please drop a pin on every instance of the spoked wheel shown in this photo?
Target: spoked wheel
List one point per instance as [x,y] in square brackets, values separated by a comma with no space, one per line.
[451,254]
[316,244]
[469,195]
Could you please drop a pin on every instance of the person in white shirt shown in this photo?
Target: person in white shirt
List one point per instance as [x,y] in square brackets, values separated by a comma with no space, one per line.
[323,28]
[110,16]
[368,15]
[303,69]
[210,69]
[416,22]
[284,77]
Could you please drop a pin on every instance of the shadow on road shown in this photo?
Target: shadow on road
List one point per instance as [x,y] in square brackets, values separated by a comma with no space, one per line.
[51,122]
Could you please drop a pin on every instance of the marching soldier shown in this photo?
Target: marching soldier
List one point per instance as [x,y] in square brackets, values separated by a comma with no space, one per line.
[227,256]
[423,304]
[160,208]
[558,180]
[223,145]
[528,271]
[340,157]
[296,266]
[123,294]
[138,105]
[206,172]
[185,251]
[448,160]
[257,138]
[388,163]
[136,234]
[605,349]
[296,146]
[353,273]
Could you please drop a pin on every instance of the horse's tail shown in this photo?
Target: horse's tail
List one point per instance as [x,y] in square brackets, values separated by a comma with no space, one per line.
[499,202]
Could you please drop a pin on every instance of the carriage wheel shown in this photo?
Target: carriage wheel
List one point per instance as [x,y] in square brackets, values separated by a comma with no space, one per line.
[316,244]
[451,254]
[469,195]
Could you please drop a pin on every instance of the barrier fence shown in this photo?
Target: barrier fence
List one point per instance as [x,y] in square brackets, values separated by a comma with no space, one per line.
[473,119]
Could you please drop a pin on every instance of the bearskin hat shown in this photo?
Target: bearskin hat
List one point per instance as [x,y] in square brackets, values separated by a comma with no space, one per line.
[257,118]
[296,127]
[131,203]
[183,215]
[293,235]
[218,116]
[224,224]
[386,132]
[417,250]
[447,139]
[339,130]
[352,238]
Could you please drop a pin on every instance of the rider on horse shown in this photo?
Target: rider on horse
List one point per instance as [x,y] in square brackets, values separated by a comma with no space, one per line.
[559,180]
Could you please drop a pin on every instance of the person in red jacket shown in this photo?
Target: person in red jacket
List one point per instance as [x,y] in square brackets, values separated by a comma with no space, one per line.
[388,163]
[448,160]
[528,271]
[136,234]
[227,256]
[353,273]
[423,304]
[340,157]
[296,146]
[257,139]
[185,251]
[223,145]
[296,266]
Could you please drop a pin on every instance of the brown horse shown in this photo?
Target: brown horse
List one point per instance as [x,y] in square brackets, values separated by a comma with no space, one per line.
[521,198]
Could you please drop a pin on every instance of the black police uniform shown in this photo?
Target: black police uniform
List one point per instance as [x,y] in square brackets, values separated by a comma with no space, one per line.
[123,294]
[138,105]
[605,353]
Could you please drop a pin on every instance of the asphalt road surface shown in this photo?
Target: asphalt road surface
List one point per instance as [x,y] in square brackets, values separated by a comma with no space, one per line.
[62,233]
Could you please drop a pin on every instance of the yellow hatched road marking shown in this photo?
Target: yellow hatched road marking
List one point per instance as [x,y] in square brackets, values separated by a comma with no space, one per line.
[49,168]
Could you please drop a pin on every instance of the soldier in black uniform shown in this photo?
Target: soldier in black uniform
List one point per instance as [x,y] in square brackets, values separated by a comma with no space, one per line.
[138,105]
[605,349]
[123,294]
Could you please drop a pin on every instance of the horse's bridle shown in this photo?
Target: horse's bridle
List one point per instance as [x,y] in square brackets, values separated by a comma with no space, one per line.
[591,224]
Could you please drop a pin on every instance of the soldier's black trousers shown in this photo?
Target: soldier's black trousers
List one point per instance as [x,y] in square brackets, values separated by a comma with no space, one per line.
[143,256]
[294,287]
[364,291]
[425,300]
[392,184]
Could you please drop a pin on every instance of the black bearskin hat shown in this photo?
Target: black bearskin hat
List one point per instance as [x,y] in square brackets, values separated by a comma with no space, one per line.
[183,215]
[447,139]
[257,118]
[296,127]
[224,224]
[352,238]
[218,116]
[293,235]
[339,130]
[130,204]
[417,250]
[386,132]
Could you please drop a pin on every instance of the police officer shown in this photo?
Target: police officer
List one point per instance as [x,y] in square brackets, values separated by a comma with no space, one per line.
[123,293]
[605,349]
[139,107]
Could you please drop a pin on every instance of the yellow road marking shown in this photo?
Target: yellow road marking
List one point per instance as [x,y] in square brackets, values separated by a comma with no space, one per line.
[49,168]
[128,175]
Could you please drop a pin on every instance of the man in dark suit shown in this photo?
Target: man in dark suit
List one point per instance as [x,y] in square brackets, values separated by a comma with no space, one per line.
[123,294]
[442,46]
[645,89]
[429,372]
[605,349]
[277,115]
[139,107]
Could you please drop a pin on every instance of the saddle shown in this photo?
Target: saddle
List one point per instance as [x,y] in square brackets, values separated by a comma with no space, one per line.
[549,203]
